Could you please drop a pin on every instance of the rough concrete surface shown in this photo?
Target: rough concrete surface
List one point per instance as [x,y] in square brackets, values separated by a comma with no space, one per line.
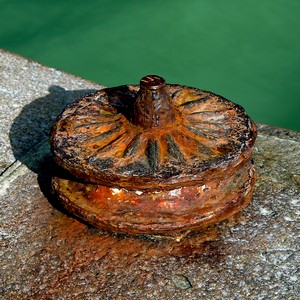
[46,254]
[31,96]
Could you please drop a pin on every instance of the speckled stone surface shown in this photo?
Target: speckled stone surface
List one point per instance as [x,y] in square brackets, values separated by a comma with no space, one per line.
[46,254]
[31,96]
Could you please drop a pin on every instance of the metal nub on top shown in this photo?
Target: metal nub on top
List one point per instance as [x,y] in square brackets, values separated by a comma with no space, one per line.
[153,107]
[152,82]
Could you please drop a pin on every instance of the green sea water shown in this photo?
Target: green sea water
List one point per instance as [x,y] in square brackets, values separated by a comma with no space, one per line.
[248,51]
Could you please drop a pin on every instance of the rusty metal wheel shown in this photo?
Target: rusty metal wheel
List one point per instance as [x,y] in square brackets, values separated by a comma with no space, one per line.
[154,139]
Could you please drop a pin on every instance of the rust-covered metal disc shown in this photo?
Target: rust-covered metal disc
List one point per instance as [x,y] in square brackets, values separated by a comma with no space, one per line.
[155,159]
[97,140]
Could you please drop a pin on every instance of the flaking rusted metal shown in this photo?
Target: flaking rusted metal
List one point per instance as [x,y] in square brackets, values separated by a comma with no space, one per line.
[155,159]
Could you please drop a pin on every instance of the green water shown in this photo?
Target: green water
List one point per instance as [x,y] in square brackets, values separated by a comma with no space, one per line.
[247,51]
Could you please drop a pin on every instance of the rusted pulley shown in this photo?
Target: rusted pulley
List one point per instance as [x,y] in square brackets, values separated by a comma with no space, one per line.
[155,158]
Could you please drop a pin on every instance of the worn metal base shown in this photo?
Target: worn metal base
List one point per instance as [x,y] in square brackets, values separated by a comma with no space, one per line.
[159,212]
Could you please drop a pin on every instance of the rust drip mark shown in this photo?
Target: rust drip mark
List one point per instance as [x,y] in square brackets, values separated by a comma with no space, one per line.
[152,153]
[174,150]
[187,148]
[199,141]
[111,142]
[133,146]
[102,136]
[113,146]
[163,151]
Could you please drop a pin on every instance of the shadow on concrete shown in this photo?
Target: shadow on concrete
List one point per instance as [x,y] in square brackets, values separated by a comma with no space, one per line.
[33,124]
[29,133]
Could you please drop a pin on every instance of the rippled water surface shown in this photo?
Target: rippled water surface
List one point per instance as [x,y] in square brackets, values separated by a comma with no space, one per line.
[247,51]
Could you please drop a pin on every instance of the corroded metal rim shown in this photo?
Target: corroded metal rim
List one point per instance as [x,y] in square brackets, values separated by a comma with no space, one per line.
[160,212]
[96,140]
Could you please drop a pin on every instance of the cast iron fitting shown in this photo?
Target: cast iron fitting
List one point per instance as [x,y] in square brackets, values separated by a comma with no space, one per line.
[154,158]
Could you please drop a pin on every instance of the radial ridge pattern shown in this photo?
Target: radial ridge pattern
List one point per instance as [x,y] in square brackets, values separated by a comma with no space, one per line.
[98,141]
